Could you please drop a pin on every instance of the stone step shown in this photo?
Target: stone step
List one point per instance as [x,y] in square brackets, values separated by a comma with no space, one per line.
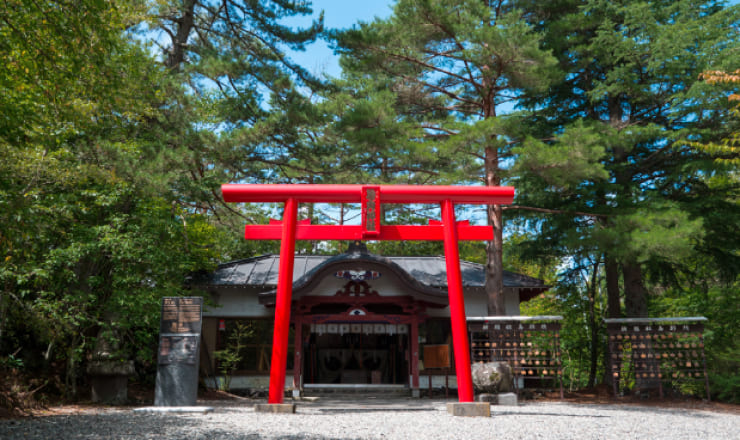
[355,389]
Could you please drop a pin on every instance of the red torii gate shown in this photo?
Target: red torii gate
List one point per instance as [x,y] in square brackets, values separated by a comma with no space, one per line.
[370,197]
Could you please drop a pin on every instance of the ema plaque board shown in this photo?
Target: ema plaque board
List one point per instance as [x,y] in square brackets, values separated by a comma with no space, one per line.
[179,349]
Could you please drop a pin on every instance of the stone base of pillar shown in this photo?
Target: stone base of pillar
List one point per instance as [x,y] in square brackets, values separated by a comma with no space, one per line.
[279,408]
[110,390]
[505,399]
[109,381]
[469,409]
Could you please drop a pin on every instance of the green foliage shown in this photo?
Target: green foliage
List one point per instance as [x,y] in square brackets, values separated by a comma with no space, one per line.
[653,231]
[573,158]
[240,110]
[433,76]
[725,151]
[726,382]
[632,91]
[46,44]
[10,362]
[599,155]
[718,303]
[112,151]
[580,298]
[517,258]
[230,357]
[111,163]
[427,81]
[89,238]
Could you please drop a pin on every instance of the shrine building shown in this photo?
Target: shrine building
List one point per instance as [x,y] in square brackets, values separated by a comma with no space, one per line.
[357,320]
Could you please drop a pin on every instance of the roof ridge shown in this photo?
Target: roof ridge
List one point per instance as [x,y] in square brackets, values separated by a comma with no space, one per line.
[391,257]
[246,260]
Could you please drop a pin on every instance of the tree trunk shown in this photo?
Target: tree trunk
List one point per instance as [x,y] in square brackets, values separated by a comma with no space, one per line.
[70,379]
[594,326]
[3,317]
[494,265]
[184,26]
[635,298]
[635,295]
[494,249]
[613,305]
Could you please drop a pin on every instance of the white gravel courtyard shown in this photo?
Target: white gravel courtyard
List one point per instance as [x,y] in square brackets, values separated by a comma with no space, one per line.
[374,419]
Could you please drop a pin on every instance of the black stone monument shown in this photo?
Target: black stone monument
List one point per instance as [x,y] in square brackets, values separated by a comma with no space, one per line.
[179,351]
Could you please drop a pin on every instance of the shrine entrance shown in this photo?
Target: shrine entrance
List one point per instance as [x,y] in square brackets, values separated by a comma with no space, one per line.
[356,358]
[359,342]
[356,321]
[371,198]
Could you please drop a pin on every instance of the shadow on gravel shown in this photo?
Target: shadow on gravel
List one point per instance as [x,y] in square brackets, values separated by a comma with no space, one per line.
[130,426]
[684,412]
[220,434]
[302,436]
[106,426]
[368,410]
[495,413]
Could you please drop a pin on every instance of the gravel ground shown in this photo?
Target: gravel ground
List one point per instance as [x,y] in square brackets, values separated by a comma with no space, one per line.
[397,419]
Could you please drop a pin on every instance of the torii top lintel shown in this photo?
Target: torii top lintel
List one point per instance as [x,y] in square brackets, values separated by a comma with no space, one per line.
[370,197]
[308,193]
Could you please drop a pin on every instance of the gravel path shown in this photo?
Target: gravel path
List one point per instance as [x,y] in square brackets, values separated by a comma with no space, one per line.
[398,419]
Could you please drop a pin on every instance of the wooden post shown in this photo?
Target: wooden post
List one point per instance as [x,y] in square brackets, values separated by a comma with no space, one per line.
[414,354]
[282,303]
[298,356]
[461,344]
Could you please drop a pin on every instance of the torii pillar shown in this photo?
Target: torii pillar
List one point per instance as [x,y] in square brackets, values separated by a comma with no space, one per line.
[370,197]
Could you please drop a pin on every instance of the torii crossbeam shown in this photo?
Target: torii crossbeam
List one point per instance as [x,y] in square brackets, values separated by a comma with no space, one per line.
[370,197]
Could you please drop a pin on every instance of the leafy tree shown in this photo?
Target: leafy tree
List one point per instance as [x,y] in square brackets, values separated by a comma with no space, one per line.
[90,239]
[704,295]
[632,73]
[428,84]
[726,150]
[243,109]
[230,357]
[45,44]
[711,289]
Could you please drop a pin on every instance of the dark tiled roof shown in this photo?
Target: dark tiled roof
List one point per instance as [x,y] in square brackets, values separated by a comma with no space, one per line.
[428,271]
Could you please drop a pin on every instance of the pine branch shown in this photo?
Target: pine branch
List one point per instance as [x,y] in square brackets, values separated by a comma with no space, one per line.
[419,63]
[554,211]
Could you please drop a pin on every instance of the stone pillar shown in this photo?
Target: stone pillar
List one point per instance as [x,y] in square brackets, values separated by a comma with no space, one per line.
[109,374]
[109,381]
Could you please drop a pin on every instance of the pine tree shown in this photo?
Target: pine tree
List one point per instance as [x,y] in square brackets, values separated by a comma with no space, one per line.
[240,109]
[434,77]
[632,74]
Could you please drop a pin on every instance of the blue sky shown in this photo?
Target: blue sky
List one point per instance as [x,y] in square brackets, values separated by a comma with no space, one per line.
[340,14]
[319,58]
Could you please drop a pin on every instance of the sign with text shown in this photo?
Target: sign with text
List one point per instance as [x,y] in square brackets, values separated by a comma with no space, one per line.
[179,351]
[181,315]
